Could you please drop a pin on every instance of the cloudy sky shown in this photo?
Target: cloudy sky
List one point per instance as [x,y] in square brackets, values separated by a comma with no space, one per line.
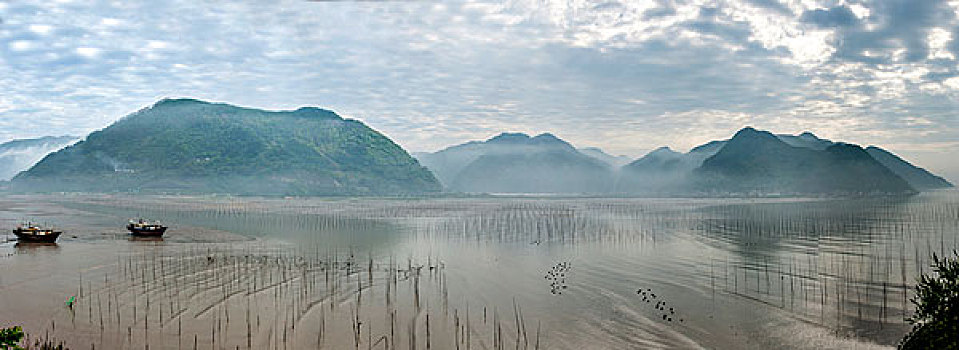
[626,76]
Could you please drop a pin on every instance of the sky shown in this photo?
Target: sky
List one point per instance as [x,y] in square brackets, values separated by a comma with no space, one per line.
[625,76]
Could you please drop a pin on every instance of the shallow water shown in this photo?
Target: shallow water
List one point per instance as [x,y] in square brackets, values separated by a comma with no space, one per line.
[551,273]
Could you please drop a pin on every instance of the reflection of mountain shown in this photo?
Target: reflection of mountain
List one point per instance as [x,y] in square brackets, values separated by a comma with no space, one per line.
[20,155]
[518,163]
[183,145]
[832,234]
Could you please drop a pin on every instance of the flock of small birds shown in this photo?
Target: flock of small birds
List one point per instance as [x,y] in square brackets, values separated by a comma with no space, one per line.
[668,311]
[557,277]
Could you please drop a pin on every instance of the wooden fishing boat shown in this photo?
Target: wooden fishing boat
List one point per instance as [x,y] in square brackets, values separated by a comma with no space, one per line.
[31,233]
[142,228]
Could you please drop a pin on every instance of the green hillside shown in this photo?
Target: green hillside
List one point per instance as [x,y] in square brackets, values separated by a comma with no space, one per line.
[758,161]
[191,146]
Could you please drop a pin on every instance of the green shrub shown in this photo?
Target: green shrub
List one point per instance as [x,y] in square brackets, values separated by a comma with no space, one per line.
[936,322]
[10,338]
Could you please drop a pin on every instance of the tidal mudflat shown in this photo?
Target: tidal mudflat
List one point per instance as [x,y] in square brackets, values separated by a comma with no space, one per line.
[493,273]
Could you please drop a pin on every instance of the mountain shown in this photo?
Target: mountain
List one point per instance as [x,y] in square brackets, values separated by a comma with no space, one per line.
[758,161]
[192,146]
[707,150]
[518,163]
[448,163]
[662,158]
[20,155]
[918,177]
[613,161]
[668,172]
[679,173]
[805,140]
[662,171]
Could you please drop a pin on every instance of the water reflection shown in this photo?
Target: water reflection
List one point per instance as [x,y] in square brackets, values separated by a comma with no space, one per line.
[797,271]
[36,247]
[849,264]
[133,238]
[320,227]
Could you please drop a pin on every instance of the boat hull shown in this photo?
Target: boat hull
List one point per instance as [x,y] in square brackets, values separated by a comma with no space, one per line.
[24,236]
[139,232]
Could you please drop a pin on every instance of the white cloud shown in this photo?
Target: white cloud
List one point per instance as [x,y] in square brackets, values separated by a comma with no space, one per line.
[110,22]
[41,29]
[952,83]
[615,74]
[88,52]
[938,39]
[23,45]
[859,10]
[157,45]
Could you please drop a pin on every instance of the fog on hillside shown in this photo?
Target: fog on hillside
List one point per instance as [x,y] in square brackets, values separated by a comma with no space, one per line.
[19,156]
[752,162]
[518,163]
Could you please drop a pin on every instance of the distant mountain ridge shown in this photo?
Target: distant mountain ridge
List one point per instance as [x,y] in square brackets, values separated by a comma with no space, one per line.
[805,140]
[613,161]
[752,162]
[519,163]
[919,178]
[661,171]
[192,146]
[655,174]
[756,161]
[21,154]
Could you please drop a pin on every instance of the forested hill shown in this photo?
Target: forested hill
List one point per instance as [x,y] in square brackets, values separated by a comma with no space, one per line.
[192,146]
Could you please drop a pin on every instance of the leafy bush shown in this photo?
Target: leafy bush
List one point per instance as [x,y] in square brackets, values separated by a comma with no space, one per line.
[10,338]
[936,322]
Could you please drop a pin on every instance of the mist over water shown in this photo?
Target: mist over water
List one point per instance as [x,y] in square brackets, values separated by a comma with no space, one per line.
[599,273]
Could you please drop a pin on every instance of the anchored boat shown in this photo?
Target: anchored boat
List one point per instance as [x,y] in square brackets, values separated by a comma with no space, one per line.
[31,233]
[142,228]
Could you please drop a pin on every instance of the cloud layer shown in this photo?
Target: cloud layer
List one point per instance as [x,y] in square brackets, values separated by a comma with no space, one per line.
[627,76]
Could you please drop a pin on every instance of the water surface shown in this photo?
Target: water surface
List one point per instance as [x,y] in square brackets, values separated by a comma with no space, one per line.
[552,273]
